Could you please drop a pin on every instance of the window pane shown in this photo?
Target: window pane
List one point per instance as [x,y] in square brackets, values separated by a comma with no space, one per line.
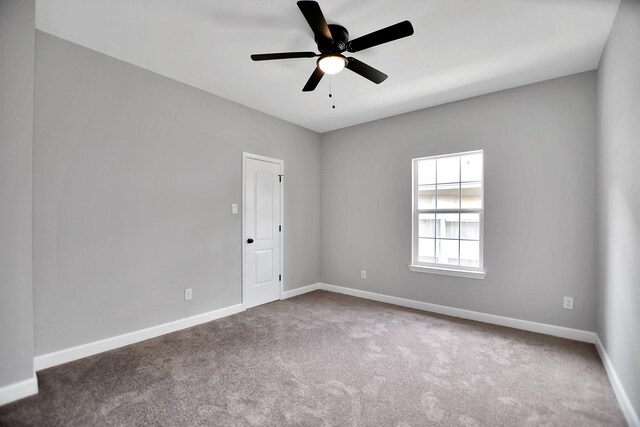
[427,225]
[446,186]
[449,196]
[471,167]
[448,169]
[447,251]
[426,172]
[447,225]
[471,195]
[427,197]
[426,250]
[470,226]
[470,254]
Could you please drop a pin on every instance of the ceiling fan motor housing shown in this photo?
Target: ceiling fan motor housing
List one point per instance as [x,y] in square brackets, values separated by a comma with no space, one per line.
[340,39]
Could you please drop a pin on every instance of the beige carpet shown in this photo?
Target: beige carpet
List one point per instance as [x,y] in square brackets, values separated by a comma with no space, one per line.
[328,359]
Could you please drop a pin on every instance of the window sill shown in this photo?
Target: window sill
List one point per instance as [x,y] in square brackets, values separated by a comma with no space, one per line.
[448,271]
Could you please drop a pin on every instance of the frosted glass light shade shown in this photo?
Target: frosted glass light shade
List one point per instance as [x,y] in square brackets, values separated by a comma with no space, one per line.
[332,64]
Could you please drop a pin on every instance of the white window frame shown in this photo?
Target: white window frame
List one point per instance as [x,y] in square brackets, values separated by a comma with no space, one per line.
[435,268]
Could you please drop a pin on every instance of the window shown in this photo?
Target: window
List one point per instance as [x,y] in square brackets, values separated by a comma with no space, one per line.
[448,214]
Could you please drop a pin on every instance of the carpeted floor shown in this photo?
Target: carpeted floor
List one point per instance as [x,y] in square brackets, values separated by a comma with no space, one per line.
[329,359]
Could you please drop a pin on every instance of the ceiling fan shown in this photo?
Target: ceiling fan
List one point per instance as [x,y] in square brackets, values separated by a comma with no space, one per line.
[333,40]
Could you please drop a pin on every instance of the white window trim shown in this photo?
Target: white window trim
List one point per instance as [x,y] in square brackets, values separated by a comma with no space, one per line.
[471,274]
[432,268]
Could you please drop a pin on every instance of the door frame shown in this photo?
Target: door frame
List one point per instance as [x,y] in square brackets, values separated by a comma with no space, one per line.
[245,157]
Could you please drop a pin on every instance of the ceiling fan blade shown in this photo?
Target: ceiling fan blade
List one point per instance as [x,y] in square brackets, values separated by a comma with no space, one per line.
[385,35]
[283,55]
[313,80]
[315,18]
[366,71]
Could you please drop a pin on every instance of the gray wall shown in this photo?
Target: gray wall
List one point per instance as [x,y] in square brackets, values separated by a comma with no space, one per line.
[540,202]
[134,177]
[619,153]
[17,34]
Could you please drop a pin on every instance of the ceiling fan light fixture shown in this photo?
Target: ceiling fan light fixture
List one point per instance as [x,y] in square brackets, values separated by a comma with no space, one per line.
[332,64]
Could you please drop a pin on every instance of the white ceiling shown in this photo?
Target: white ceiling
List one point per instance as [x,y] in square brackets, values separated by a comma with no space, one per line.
[461,48]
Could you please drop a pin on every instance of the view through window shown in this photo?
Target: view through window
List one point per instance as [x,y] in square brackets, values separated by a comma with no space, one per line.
[447,211]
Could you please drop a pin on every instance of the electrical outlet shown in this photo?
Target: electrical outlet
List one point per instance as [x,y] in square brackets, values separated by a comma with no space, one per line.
[568,303]
[188,294]
[363,274]
[234,208]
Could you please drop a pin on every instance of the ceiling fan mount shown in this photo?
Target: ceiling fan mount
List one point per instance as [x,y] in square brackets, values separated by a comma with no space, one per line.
[333,40]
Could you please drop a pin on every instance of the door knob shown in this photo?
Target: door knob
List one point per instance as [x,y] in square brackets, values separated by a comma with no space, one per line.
[249,240]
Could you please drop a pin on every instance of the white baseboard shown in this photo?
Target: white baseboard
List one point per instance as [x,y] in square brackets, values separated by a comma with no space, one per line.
[526,325]
[74,353]
[299,291]
[16,391]
[623,399]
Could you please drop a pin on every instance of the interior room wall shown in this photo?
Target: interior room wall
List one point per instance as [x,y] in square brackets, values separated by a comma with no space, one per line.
[619,202]
[17,44]
[539,145]
[134,179]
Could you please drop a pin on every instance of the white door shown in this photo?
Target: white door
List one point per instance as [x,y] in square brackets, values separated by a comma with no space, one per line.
[261,229]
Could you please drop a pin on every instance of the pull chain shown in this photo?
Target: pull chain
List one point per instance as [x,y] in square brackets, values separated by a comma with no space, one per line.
[331,90]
